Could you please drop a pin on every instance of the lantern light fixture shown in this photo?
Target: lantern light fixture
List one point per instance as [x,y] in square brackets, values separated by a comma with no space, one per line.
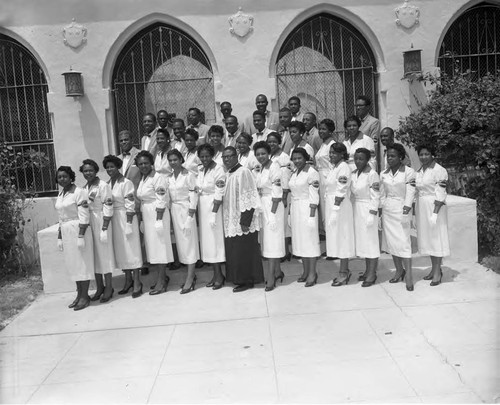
[74,83]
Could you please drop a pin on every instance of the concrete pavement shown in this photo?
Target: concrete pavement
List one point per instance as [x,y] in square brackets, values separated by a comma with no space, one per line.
[302,345]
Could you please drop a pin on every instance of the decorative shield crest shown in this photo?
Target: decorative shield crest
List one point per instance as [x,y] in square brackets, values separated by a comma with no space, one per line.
[241,24]
[407,15]
[74,34]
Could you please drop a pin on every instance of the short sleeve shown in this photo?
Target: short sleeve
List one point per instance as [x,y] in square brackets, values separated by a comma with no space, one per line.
[128,195]
[107,199]
[374,184]
[313,181]
[441,178]
[82,202]
[410,186]
[160,188]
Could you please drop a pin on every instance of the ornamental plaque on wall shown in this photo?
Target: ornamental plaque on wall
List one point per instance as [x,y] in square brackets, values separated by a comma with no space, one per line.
[407,15]
[241,23]
[74,34]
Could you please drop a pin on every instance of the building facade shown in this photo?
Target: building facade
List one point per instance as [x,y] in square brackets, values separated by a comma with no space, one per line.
[137,57]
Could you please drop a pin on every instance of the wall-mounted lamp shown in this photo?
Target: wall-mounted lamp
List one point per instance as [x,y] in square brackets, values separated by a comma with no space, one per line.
[412,61]
[74,83]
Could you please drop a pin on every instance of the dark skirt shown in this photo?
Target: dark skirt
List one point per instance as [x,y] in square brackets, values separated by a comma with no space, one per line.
[243,259]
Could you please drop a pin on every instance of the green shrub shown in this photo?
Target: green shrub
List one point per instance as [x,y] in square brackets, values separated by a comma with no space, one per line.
[462,121]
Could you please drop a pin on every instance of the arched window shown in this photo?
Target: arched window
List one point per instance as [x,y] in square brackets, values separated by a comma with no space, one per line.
[472,43]
[327,63]
[24,117]
[161,68]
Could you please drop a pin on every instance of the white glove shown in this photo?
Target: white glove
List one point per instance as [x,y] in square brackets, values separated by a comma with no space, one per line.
[272,221]
[60,244]
[370,220]
[379,223]
[159,227]
[311,222]
[405,219]
[141,227]
[103,236]
[188,225]
[128,229]
[212,219]
[433,219]
[80,242]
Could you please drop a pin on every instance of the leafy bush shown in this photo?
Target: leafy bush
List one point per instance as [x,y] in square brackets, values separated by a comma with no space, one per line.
[462,121]
[12,204]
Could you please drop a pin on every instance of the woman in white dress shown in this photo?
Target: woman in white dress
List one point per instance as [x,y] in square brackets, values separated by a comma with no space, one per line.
[267,176]
[397,191]
[365,191]
[339,227]
[304,189]
[246,157]
[297,130]
[184,199]
[73,239]
[431,213]
[326,132]
[355,139]
[215,137]
[283,159]
[126,242]
[211,184]
[163,146]
[101,212]
[191,161]
[154,219]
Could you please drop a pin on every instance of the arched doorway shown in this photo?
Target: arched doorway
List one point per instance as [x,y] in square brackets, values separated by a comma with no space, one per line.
[472,43]
[25,125]
[327,63]
[161,68]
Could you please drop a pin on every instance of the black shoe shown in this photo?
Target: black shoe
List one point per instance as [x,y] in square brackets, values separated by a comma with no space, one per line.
[368,283]
[280,277]
[362,276]
[220,285]
[312,283]
[242,287]
[97,295]
[401,277]
[163,289]
[287,257]
[144,271]
[331,258]
[429,276]
[270,288]
[302,279]
[199,264]
[409,287]
[73,304]
[435,283]
[174,266]
[82,306]
[106,299]
[137,294]
[211,284]
[337,283]
[190,288]
[126,289]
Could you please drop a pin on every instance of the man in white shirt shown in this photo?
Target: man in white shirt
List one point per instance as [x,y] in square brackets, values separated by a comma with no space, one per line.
[129,151]
[232,131]
[164,121]
[294,106]
[387,139]
[179,129]
[285,117]
[311,135]
[369,125]
[148,141]
[272,118]
[194,118]
[259,122]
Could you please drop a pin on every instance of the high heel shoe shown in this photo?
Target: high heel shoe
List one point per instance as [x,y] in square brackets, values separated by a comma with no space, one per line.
[190,288]
[429,276]
[270,288]
[369,283]
[220,285]
[97,295]
[401,277]
[409,287]
[82,306]
[312,283]
[73,304]
[302,279]
[362,276]
[286,258]
[280,277]
[136,294]
[125,289]
[435,283]
[211,284]
[337,283]
[162,289]
[106,299]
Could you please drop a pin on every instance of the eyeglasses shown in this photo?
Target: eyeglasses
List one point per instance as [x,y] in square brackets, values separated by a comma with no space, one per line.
[228,156]
[359,105]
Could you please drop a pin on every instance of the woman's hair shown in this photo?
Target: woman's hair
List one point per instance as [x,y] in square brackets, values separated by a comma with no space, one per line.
[247,137]
[399,149]
[146,154]
[262,145]
[175,152]
[340,148]
[427,146]
[68,170]
[112,159]
[206,146]
[327,122]
[90,162]
[193,132]
[163,132]
[365,152]
[302,152]
[299,125]
[276,135]
[352,118]
[217,129]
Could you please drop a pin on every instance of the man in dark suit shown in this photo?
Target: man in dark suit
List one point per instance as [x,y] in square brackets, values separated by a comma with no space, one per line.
[129,169]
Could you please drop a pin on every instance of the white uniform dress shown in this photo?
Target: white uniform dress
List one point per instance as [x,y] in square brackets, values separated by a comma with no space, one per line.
[100,206]
[183,197]
[268,182]
[127,248]
[161,164]
[304,187]
[152,194]
[309,149]
[365,191]
[286,165]
[339,234]
[396,190]
[218,157]
[211,185]
[248,160]
[362,141]
[192,162]
[431,189]
[73,210]
[323,166]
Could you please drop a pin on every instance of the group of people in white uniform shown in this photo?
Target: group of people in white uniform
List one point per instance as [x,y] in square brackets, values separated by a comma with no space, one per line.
[183,196]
